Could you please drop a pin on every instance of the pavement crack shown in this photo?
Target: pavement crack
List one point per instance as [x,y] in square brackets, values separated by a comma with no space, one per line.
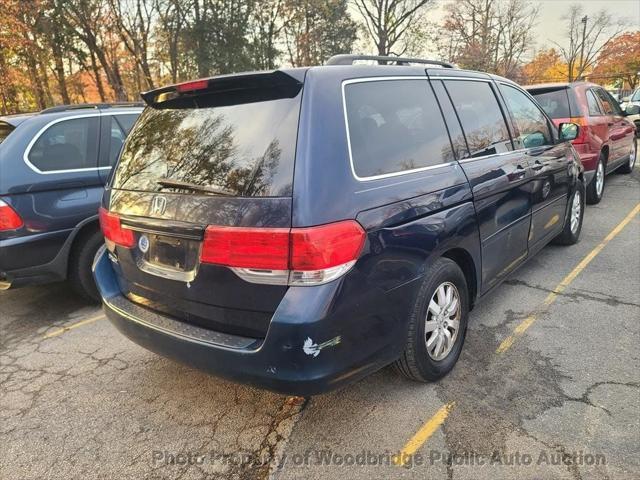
[577,294]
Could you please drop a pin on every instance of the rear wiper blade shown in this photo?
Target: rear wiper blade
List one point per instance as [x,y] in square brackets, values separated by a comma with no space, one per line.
[167,182]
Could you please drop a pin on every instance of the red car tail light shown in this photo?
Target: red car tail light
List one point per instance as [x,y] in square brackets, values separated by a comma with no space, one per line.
[259,248]
[296,256]
[113,230]
[9,219]
[583,132]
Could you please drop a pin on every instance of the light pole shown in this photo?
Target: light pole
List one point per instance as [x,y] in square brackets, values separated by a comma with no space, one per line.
[584,34]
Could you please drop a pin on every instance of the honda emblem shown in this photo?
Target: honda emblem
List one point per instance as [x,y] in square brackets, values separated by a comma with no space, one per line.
[158,205]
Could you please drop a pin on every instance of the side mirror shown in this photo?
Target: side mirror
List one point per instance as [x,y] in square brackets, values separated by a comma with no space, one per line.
[535,139]
[568,131]
[632,110]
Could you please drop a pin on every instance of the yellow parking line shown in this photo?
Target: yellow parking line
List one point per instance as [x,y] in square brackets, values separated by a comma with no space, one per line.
[60,331]
[423,434]
[566,281]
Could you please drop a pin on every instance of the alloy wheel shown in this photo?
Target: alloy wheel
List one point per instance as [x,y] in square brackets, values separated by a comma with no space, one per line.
[599,178]
[576,208]
[443,321]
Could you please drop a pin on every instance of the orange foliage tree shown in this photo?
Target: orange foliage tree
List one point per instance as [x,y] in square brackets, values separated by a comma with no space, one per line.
[620,59]
[546,66]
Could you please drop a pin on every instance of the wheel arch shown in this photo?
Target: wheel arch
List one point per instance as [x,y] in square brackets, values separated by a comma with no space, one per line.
[87,227]
[465,261]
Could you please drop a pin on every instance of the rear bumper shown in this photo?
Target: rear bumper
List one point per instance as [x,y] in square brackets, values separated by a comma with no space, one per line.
[312,345]
[34,259]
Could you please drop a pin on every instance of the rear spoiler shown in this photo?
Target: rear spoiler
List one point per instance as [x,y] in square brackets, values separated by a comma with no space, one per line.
[223,84]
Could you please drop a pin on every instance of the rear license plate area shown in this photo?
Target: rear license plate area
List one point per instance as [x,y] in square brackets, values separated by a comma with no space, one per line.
[174,253]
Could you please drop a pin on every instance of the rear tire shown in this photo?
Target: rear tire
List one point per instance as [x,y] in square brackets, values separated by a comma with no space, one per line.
[80,274]
[419,362]
[595,190]
[630,163]
[573,225]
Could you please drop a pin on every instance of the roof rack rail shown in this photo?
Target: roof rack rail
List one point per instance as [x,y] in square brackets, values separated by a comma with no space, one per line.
[96,106]
[348,59]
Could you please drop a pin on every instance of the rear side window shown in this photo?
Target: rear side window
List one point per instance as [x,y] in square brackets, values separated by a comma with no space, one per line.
[555,103]
[125,122]
[5,130]
[66,145]
[533,129]
[114,141]
[593,105]
[482,120]
[609,104]
[394,126]
[240,144]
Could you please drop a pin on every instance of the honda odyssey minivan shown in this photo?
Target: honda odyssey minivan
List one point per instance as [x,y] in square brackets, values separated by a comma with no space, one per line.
[299,229]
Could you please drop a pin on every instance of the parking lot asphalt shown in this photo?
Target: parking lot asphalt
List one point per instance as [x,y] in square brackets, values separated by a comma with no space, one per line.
[548,386]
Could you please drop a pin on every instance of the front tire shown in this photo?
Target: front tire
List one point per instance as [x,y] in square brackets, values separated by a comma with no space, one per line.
[628,166]
[437,325]
[573,225]
[80,274]
[595,190]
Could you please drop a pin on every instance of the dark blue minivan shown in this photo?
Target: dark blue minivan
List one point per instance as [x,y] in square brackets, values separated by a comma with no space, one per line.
[53,168]
[299,229]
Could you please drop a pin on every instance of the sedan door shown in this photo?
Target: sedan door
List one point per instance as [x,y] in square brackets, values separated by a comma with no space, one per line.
[548,161]
[499,178]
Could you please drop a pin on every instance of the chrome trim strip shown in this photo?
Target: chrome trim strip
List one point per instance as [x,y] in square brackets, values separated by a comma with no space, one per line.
[166,272]
[501,154]
[25,155]
[346,122]
[473,79]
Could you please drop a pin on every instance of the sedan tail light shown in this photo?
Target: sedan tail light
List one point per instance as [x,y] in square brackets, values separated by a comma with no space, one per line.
[9,218]
[113,230]
[283,256]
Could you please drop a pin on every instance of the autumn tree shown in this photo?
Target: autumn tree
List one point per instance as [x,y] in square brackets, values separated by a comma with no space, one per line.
[317,29]
[620,58]
[134,20]
[586,36]
[94,26]
[545,66]
[387,21]
[487,35]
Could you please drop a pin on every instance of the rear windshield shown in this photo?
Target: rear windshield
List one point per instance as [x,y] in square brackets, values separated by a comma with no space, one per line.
[5,130]
[242,147]
[554,102]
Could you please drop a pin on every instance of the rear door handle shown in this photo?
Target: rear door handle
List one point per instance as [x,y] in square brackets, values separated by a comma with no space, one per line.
[538,165]
[518,174]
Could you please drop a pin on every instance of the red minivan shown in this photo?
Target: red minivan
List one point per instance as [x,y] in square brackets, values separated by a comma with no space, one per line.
[606,141]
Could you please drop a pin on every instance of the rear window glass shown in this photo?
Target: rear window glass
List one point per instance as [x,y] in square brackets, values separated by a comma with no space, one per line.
[5,130]
[554,102]
[395,126]
[240,149]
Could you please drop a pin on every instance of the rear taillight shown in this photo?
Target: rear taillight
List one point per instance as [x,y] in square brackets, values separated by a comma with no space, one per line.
[9,219]
[296,256]
[583,131]
[113,230]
